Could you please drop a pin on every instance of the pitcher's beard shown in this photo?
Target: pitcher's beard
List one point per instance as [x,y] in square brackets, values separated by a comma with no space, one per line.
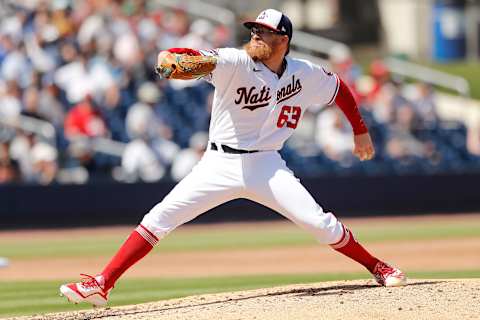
[258,53]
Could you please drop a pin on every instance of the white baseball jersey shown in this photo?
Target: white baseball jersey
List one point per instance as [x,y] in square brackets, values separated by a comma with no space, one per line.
[253,109]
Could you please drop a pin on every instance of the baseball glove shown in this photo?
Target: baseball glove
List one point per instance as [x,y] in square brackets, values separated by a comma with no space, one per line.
[185,67]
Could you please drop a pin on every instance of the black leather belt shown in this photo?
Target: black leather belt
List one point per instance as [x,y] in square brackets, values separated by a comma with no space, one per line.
[228,149]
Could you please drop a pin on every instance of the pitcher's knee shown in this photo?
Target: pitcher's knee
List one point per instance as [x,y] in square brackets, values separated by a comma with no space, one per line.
[165,216]
[151,223]
[326,228]
[159,222]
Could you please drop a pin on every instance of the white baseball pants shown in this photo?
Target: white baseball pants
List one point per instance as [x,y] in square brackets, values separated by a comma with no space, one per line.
[262,177]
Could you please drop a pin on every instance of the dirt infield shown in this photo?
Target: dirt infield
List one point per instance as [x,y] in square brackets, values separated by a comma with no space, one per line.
[345,300]
[457,254]
[422,255]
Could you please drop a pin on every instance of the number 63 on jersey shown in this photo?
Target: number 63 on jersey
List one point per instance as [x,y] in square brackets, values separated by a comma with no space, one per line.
[289,116]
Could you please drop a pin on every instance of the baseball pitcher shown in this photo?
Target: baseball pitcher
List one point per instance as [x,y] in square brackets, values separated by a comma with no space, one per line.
[260,97]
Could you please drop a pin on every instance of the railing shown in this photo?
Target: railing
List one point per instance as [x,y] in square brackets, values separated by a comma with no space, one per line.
[107,146]
[418,72]
[314,59]
[42,128]
[309,44]
[313,44]
[304,45]
[47,131]
[204,10]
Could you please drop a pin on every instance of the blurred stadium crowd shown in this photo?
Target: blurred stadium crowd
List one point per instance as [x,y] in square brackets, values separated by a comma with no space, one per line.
[79,102]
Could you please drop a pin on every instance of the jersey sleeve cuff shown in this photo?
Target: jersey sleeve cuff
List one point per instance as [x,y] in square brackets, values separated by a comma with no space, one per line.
[361,129]
[337,87]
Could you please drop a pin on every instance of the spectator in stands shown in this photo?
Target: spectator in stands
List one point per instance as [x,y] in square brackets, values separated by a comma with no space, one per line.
[8,172]
[222,37]
[20,151]
[6,45]
[36,46]
[37,160]
[140,163]
[473,139]
[68,52]
[8,168]
[44,161]
[381,77]
[113,111]
[31,101]
[86,67]
[82,123]
[127,50]
[186,159]
[84,120]
[144,123]
[73,77]
[175,25]
[334,135]
[200,35]
[13,23]
[4,151]
[344,66]
[424,105]
[10,95]
[303,141]
[50,106]
[79,162]
[401,142]
[386,102]
[62,18]
[16,67]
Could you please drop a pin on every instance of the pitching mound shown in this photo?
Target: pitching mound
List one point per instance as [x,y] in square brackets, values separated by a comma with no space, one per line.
[345,300]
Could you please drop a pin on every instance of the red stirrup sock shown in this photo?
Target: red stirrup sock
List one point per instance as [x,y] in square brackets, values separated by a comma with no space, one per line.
[140,242]
[354,250]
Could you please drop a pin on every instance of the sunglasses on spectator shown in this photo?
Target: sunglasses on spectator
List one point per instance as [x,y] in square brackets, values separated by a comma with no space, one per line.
[261,31]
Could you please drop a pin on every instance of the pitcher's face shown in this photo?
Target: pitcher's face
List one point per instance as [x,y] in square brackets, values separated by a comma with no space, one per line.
[263,43]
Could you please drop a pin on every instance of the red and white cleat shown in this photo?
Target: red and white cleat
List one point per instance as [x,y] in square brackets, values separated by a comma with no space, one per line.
[90,290]
[388,276]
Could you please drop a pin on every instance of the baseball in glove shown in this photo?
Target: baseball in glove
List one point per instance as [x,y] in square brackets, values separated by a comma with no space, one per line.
[184,66]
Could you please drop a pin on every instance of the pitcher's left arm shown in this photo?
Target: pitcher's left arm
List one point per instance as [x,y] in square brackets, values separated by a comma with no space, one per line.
[363,146]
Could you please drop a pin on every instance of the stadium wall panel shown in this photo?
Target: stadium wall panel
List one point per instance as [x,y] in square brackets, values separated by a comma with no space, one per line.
[110,204]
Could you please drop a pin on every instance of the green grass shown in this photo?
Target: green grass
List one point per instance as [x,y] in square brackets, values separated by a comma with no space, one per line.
[468,70]
[26,298]
[22,298]
[220,239]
